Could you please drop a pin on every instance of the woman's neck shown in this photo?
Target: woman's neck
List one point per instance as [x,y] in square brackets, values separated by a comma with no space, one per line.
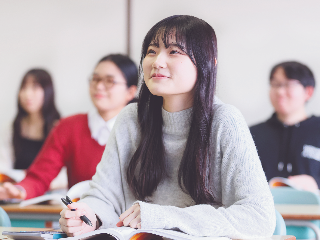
[34,118]
[176,103]
[293,118]
[32,126]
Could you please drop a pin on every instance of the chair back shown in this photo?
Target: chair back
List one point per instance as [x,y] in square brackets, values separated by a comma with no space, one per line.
[280,225]
[288,195]
[4,219]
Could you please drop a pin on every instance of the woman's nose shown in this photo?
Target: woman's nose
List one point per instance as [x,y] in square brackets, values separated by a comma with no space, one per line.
[159,61]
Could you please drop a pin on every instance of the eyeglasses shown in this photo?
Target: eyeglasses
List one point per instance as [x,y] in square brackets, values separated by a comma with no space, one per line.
[291,84]
[107,81]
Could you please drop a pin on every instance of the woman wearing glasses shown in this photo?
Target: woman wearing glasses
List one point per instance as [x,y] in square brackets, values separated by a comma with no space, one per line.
[77,142]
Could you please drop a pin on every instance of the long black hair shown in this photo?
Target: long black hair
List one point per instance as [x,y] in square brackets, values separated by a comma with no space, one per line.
[147,166]
[49,111]
[126,65]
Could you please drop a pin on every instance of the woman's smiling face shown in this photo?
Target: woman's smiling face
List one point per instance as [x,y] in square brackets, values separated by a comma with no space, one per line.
[168,70]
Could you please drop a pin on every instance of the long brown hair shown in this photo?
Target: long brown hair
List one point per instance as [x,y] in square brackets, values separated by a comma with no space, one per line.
[49,111]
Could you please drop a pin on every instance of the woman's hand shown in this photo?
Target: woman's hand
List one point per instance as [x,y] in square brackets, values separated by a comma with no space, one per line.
[131,217]
[71,223]
[305,182]
[9,191]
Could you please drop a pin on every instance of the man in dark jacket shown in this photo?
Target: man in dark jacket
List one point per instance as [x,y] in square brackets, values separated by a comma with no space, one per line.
[289,142]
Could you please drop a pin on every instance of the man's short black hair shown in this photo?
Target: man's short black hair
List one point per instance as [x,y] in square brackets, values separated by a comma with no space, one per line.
[296,70]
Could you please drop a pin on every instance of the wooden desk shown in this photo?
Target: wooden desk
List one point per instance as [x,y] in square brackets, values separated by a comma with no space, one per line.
[299,211]
[33,215]
[43,229]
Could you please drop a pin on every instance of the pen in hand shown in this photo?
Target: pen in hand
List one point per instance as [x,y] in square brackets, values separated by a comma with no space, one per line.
[66,201]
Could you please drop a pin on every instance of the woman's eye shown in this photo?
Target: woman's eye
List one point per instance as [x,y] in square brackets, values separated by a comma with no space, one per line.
[151,51]
[175,52]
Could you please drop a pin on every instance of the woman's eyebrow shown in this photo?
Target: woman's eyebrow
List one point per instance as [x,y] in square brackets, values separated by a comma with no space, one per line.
[154,44]
[107,75]
[181,47]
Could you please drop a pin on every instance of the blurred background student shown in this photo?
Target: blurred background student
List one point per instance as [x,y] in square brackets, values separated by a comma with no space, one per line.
[37,114]
[288,143]
[78,142]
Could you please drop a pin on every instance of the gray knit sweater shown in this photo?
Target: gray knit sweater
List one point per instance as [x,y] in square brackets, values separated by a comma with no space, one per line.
[239,183]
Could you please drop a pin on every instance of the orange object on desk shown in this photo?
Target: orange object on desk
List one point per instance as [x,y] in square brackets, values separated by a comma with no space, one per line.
[146,236]
[5,178]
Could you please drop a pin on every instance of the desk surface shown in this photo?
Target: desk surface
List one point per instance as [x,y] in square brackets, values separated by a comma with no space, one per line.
[299,211]
[44,229]
[14,208]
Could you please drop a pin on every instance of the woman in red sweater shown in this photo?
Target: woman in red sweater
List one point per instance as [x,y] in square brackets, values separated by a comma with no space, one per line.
[78,142]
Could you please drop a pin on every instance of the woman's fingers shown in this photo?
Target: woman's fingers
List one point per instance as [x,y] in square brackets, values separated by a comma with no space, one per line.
[119,224]
[134,223]
[12,191]
[72,230]
[131,217]
[70,221]
[126,221]
[127,213]
[139,224]
[85,228]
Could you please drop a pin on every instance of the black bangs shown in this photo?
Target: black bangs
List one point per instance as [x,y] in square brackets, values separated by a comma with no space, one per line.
[170,30]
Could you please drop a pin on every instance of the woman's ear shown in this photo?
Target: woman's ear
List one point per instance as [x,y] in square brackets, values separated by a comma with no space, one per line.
[215,62]
[132,90]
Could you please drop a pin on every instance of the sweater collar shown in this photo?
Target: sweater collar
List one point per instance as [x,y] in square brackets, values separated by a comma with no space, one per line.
[100,129]
[177,122]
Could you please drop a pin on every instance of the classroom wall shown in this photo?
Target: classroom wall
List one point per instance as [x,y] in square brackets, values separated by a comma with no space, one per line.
[69,37]
[252,37]
[65,37]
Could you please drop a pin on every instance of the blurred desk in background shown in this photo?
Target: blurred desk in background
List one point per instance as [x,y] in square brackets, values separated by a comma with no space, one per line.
[299,211]
[36,216]
[300,215]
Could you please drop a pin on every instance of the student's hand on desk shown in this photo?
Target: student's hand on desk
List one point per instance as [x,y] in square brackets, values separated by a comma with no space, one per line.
[71,223]
[131,217]
[9,191]
[305,182]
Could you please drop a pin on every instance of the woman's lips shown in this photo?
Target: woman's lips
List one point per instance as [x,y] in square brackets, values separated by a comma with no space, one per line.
[99,96]
[158,76]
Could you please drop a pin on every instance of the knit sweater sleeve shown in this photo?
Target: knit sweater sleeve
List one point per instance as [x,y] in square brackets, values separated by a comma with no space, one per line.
[247,209]
[106,196]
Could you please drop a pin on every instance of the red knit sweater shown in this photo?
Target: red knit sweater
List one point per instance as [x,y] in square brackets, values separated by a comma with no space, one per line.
[69,144]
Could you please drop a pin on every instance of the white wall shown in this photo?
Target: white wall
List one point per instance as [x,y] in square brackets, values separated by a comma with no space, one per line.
[65,37]
[252,37]
[69,37]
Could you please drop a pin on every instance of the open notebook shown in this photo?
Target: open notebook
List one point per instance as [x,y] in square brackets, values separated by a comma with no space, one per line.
[127,233]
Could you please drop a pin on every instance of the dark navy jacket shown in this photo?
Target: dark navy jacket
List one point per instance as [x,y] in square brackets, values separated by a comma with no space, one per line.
[288,150]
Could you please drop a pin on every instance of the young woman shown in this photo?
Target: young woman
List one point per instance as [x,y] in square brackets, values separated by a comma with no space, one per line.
[77,142]
[36,116]
[180,158]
